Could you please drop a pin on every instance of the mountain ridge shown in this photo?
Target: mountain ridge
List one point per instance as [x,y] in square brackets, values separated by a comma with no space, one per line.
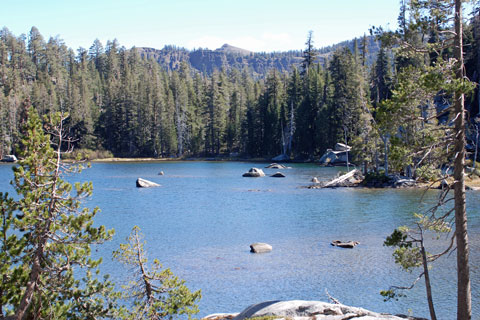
[257,64]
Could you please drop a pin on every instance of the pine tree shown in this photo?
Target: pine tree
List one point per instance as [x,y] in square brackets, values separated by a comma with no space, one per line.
[155,293]
[46,245]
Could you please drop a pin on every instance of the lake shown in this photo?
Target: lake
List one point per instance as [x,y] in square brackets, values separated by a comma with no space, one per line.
[203,218]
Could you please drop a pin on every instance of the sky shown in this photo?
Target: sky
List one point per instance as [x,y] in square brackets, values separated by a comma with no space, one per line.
[255,25]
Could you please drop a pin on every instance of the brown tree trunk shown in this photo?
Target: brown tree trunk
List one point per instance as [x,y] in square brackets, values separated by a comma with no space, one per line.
[428,287]
[464,302]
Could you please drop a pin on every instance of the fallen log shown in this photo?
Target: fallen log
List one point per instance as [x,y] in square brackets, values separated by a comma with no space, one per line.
[349,179]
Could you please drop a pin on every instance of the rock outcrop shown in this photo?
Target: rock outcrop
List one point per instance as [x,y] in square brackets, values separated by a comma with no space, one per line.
[254,172]
[336,157]
[260,247]
[307,310]
[142,183]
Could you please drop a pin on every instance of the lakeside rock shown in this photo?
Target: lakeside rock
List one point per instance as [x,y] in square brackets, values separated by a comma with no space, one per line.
[336,157]
[9,158]
[278,175]
[311,310]
[282,157]
[254,173]
[276,166]
[142,183]
[259,247]
[345,244]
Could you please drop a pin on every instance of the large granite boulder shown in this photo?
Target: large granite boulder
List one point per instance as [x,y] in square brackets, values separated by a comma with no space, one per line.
[312,310]
[259,247]
[254,172]
[142,183]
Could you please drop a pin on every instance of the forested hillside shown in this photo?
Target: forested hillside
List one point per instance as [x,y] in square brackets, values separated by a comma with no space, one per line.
[176,103]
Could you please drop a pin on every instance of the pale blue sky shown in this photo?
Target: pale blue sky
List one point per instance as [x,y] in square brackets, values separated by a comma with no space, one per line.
[256,25]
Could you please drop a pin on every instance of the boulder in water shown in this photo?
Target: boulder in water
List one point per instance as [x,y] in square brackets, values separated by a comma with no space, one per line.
[254,172]
[259,247]
[276,166]
[142,183]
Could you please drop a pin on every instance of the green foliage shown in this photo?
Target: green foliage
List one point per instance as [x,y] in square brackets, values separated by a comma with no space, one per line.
[155,293]
[88,154]
[46,235]
[374,178]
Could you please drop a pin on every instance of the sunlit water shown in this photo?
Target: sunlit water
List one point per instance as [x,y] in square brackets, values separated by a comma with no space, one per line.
[203,218]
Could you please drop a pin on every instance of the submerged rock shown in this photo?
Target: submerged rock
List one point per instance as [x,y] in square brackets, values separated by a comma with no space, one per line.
[345,244]
[254,172]
[142,183]
[259,247]
[278,175]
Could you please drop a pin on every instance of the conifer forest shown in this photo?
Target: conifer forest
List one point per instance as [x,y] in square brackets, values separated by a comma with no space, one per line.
[126,103]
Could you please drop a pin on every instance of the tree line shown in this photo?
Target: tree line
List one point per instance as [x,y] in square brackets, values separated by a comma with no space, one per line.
[128,105]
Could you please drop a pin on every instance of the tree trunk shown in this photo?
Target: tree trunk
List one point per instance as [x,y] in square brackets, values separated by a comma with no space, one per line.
[427,283]
[464,302]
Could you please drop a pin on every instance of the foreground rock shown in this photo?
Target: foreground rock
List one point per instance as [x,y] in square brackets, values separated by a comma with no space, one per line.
[307,310]
[254,173]
[345,244]
[260,247]
[142,183]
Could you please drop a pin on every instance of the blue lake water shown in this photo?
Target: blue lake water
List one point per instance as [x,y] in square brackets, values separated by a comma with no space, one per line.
[203,218]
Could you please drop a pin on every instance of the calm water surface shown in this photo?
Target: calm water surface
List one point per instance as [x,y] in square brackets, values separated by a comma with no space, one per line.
[203,218]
